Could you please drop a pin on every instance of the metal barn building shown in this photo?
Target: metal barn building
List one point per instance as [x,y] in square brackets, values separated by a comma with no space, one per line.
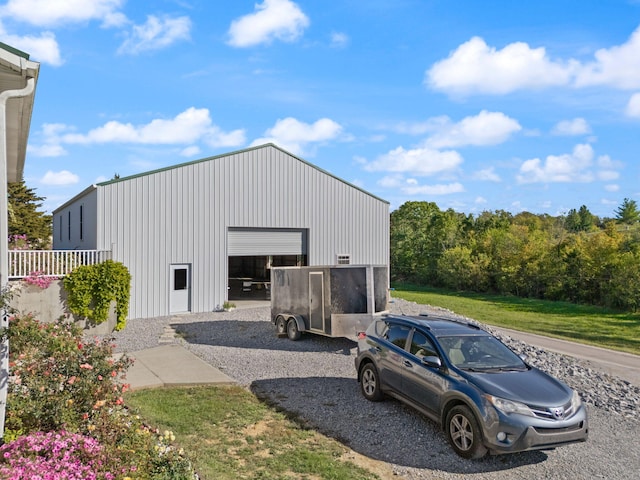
[200,233]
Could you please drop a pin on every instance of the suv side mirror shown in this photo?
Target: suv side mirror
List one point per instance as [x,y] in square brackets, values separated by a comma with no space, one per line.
[432,361]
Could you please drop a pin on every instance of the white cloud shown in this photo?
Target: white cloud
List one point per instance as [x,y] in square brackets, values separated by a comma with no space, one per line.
[608,175]
[612,187]
[420,128]
[293,135]
[633,107]
[156,33]
[391,181]
[486,128]
[570,167]
[188,127]
[273,19]
[339,39]
[480,201]
[445,189]
[46,150]
[218,138]
[290,129]
[577,126]
[49,13]
[61,178]
[474,67]
[43,48]
[419,161]
[608,168]
[191,151]
[605,161]
[51,146]
[618,66]
[487,174]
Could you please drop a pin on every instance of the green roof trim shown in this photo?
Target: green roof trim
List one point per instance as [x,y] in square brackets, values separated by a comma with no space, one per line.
[237,152]
[15,51]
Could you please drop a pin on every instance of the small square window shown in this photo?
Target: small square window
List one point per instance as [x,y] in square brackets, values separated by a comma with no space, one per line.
[343,259]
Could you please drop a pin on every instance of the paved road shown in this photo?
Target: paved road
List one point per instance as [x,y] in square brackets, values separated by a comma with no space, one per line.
[620,364]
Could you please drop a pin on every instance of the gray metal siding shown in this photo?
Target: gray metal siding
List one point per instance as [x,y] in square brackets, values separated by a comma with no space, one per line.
[71,210]
[182,215]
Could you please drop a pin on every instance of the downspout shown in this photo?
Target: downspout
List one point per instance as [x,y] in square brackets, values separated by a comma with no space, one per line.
[4,243]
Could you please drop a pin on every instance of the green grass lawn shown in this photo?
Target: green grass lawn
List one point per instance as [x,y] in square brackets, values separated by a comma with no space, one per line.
[229,434]
[580,323]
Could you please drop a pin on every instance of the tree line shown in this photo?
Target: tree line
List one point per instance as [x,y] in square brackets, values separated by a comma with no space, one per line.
[577,257]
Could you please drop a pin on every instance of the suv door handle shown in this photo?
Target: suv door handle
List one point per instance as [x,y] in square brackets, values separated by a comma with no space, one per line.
[407,363]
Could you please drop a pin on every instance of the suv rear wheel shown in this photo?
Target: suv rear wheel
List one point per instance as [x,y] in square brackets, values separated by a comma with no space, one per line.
[370,383]
[464,433]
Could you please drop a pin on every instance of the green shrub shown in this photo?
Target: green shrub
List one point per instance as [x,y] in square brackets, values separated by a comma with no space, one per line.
[91,289]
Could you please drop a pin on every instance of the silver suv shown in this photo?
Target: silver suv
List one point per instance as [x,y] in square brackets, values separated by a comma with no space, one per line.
[485,397]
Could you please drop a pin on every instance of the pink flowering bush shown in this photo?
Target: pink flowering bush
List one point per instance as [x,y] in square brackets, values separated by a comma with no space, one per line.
[54,456]
[18,242]
[38,279]
[66,386]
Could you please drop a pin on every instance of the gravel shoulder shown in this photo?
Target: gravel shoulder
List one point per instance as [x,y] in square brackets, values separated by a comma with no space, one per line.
[315,380]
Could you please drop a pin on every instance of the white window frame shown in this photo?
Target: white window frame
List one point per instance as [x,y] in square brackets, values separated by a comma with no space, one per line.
[343,259]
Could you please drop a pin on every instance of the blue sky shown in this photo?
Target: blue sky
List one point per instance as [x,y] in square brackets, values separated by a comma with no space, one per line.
[492,105]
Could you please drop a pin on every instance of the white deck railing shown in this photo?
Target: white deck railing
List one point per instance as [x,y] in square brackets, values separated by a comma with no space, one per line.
[52,263]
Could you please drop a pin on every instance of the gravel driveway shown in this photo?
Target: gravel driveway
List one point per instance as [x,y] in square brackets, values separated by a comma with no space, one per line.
[315,379]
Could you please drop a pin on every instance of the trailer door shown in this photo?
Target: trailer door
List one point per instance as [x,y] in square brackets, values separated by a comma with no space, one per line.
[316,301]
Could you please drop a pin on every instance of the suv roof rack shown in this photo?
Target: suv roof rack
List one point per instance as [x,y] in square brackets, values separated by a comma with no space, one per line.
[449,319]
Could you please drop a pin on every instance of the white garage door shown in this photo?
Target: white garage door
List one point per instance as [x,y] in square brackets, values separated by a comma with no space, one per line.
[266,241]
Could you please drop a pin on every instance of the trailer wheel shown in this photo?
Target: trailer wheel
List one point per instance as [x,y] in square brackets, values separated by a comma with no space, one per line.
[281,325]
[292,330]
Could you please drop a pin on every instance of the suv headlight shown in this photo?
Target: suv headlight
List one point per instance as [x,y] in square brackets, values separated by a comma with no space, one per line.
[509,406]
[576,401]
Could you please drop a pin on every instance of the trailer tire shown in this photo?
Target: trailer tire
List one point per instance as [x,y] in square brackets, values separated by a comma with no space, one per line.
[292,330]
[281,325]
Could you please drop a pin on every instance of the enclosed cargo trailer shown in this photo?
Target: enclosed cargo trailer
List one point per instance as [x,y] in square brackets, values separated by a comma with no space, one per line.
[334,301]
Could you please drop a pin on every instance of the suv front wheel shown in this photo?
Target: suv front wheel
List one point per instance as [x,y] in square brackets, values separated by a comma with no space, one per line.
[464,433]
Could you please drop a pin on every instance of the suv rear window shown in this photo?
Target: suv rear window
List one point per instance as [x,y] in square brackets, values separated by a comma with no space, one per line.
[397,334]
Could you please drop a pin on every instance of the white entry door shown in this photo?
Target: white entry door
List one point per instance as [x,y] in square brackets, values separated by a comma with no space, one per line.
[180,294]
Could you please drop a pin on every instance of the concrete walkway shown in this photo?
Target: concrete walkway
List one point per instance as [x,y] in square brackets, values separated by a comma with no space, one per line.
[171,365]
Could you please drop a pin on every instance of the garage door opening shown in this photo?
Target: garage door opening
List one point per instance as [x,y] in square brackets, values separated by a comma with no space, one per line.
[253,251]
[250,276]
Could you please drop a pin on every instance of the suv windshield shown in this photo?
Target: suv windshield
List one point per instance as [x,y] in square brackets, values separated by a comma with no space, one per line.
[480,352]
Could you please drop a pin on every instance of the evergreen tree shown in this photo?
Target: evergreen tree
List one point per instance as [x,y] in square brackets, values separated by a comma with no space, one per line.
[26,218]
[628,212]
[587,219]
